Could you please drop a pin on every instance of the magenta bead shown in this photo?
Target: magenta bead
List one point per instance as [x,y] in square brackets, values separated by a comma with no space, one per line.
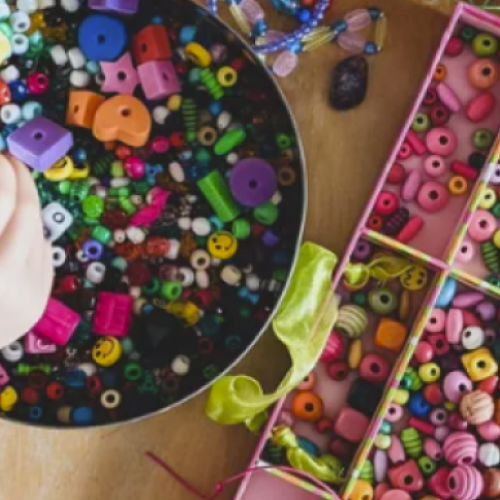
[432,197]
[454,47]
[387,203]
[352,42]
[38,83]
[436,321]
[455,385]
[434,166]
[357,20]
[457,423]
[405,151]
[433,449]
[411,185]
[160,145]
[482,226]
[441,141]
[334,348]
[394,413]
[466,251]
[465,482]
[135,167]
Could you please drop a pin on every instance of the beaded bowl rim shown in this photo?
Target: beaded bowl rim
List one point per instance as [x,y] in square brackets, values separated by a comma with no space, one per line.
[200,10]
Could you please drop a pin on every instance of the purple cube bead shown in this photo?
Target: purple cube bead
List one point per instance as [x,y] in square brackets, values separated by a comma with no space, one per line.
[40,143]
[120,6]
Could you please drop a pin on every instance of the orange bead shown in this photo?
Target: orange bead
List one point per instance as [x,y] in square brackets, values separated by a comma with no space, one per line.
[82,108]
[483,73]
[440,73]
[362,491]
[390,334]
[110,146]
[308,406]
[308,382]
[123,151]
[375,223]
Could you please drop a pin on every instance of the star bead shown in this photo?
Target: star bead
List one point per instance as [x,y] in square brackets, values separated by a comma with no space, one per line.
[120,76]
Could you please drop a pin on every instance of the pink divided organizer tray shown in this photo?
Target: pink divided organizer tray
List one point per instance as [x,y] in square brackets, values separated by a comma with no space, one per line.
[406,394]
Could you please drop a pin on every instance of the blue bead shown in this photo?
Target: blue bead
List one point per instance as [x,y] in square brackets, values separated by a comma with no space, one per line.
[79,155]
[418,405]
[102,38]
[8,129]
[18,90]
[215,108]
[157,20]
[3,143]
[447,293]
[108,379]
[187,34]
[307,445]
[35,413]
[259,28]
[374,12]
[216,222]
[75,379]
[92,67]
[295,47]
[339,26]
[370,48]
[82,415]
[304,15]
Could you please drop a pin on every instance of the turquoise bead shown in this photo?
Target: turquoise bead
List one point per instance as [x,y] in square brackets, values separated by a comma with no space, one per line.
[92,67]
[447,293]
[31,109]
[385,428]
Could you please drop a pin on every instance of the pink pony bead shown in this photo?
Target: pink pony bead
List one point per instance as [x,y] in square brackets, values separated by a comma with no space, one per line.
[441,141]
[334,348]
[454,326]
[465,482]
[374,368]
[460,448]
[387,203]
[466,251]
[394,413]
[439,416]
[357,20]
[438,483]
[411,185]
[434,166]
[455,385]
[433,449]
[396,451]
[436,321]
[135,167]
[380,465]
[489,431]
[380,491]
[482,226]
[448,97]
[432,197]
[38,83]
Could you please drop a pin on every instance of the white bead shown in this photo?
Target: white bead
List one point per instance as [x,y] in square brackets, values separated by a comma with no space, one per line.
[4,12]
[252,282]
[81,257]
[224,120]
[10,113]
[58,256]
[88,368]
[180,365]
[160,114]
[95,272]
[136,199]
[56,220]
[10,74]
[76,58]
[192,198]
[201,226]
[187,276]
[177,172]
[232,158]
[135,234]
[200,259]
[173,251]
[28,6]
[230,275]
[184,223]
[277,198]
[202,279]
[13,352]
[59,55]
[70,5]
[473,337]
[489,454]
[46,4]
[19,44]
[135,291]
[118,182]
[79,78]
[20,22]
[119,236]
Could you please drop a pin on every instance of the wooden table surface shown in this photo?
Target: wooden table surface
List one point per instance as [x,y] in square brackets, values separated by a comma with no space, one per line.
[345,153]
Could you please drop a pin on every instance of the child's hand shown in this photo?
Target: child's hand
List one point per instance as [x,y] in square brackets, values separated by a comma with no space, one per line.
[25,256]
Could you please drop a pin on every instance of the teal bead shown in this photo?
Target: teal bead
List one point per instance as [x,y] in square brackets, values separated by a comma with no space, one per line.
[385,428]
[194,75]
[203,155]
[31,109]
[127,345]
[92,67]
[216,223]
[119,263]
[360,299]
[36,38]
[6,29]
[3,143]
[467,33]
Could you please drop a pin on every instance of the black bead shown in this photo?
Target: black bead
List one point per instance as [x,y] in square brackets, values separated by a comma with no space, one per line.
[364,397]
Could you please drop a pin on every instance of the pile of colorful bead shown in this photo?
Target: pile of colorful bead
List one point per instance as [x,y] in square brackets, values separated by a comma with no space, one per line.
[171,184]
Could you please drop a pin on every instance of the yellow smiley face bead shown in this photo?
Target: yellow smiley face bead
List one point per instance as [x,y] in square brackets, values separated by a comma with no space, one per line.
[222,245]
[8,398]
[107,351]
[414,278]
[479,364]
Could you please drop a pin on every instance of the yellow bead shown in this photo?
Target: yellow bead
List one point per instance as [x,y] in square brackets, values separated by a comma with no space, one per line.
[429,372]
[355,354]
[496,238]
[174,102]
[383,441]
[401,396]
[222,245]
[488,199]
[450,405]
[198,54]
[404,305]
[362,490]
[457,185]
[479,364]
[414,278]
[5,48]
[380,31]
[107,351]
[60,170]
[80,172]
[227,76]
[8,398]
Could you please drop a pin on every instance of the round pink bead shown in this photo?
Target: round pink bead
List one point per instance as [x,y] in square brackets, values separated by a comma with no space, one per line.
[455,385]
[374,368]
[160,145]
[334,348]
[432,197]
[352,42]
[436,321]
[467,299]
[454,326]
[405,151]
[433,449]
[434,166]
[439,416]
[465,482]
[380,490]
[358,20]
[387,203]
[441,141]
[441,433]
[423,352]
[396,451]
[482,226]
[38,83]
[495,177]
[394,413]
[489,431]
[135,167]
[486,311]
[466,251]
[411,185]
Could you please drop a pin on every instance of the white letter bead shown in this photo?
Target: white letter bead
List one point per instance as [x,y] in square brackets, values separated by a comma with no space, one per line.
[56,220]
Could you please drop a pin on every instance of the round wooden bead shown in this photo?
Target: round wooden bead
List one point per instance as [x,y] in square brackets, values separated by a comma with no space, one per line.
[430,97]
[411,185]
[482,226]
[457,185]
[432,197]
[477,407]
[466,251]
[334,348]
[434,166]
[440,73]
[454,47]
[491,487]
[436,321]
[387,203]
[484,45]
[374,368]
[441,141]
[375,222]
[480,107]
[338,371]
[423,352]
[405,151]
[308,382]
[396,174]
[455,385]
[307,406]
[483,73]
[439,115]
[489,455]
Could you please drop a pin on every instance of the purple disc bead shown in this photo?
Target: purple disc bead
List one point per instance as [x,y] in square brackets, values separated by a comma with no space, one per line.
[253,182]
[362,251]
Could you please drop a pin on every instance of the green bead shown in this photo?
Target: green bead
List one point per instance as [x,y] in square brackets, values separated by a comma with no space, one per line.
[266,214]
[93,206]
[141,187]
[171,290]
[421,123]
[496,210]
[64,187]
[79,190]
[366,472]
[405,382]
[132,371]
[280,275]
[229,141]
[484,45]
[90,221]
[412,442]
[127,206]
[386,427]
[203,155]
[360,299]
[119,263]
[241,229]
[123,191]
[102,234]
[483,138]
[493,280]
[283,140]
[489,253]
[383,300]
[194,75]
[217,192]
[467,33]
[152,287]
[415,382]
[127,345]
[117,169]
[427,466]
[6,29]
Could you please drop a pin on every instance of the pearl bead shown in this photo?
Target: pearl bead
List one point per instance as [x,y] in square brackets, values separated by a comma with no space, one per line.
[180,365]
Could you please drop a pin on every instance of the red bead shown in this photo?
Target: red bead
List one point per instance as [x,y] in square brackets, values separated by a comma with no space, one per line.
[177,139]
[115,219]
[464,170]
[411,229]
[30,396]
[334,348]
[70,283]
[430,97]
[439,115]
[38,83]
[338,371]
[151,44]
[456,422]
[5,94]
[417,145]
[480,107]
[406,477]
[341,449]
[374,368]
[387,203]
[55,391]
[375,223]
[433,394]
[438,483]
[470,318]
[324,425]
[439,344]
[138,273]
[396,174]
[94,385]
[488,385]
[423,352]
[454,47]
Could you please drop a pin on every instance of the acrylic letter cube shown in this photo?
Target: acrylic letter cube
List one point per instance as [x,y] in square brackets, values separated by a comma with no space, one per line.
[58,323]
[113,314]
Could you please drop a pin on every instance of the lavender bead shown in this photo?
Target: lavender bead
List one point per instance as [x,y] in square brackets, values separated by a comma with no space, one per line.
[40,143]
[270,239]
[486,311]
[362,251]
[92,249]
[467,299]
[120,6]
